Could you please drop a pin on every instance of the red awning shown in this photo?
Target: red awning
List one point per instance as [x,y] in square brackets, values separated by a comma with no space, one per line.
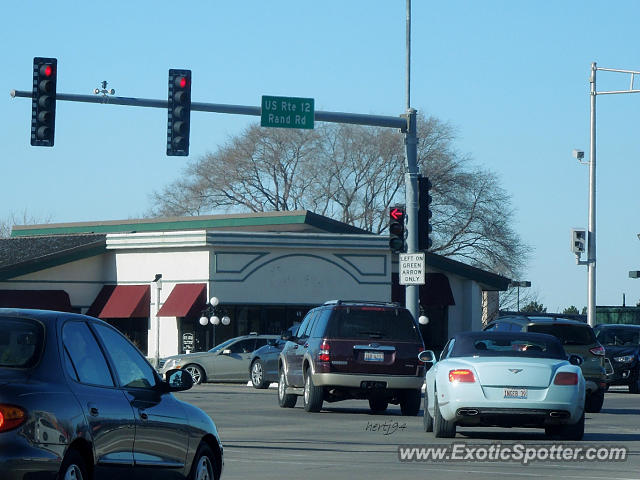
[122,301]
[38,299]
[185,300]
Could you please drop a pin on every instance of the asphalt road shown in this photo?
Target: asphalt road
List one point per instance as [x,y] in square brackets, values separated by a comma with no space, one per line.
[345,441]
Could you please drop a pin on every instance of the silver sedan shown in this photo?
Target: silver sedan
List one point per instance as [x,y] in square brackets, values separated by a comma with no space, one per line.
[227,362]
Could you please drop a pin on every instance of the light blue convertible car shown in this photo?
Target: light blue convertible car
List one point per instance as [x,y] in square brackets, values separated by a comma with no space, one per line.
[504,379]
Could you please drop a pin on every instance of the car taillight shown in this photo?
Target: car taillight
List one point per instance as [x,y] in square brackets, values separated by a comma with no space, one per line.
[599,350]
[11,417]
[461,376]
[566,378]
[323,354]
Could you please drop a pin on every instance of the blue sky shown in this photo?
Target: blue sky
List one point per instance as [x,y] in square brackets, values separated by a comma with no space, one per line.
[511,76]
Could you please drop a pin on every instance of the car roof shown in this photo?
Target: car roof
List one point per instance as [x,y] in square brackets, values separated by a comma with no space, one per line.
[506,335]
[539,319]
[618,325]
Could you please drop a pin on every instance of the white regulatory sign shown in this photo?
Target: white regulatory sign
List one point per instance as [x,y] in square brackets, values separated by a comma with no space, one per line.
[412,269]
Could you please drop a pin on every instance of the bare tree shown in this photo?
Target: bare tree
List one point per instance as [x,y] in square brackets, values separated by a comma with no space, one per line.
[21,218]
[354,174]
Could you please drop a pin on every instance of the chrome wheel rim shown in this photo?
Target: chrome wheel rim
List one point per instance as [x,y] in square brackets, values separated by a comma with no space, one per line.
[281,386]
[307,386]
[256,373]
[73,473]
[204,471]
[195,374]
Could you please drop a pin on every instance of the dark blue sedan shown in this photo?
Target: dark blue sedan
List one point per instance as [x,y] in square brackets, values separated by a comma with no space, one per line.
[79,401]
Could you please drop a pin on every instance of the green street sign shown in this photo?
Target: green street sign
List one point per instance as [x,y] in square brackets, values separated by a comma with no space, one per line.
[287,112]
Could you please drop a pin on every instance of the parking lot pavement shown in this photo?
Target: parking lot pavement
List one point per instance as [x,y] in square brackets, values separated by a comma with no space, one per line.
[344,440]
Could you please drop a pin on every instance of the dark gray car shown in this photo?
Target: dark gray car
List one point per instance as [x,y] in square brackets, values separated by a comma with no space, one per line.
[263,365]
[79,401]
[227,362]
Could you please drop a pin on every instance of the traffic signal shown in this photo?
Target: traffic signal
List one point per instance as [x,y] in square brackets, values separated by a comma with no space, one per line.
[424,214]
[43,101]
[396,228]
[179,112]
[578,240]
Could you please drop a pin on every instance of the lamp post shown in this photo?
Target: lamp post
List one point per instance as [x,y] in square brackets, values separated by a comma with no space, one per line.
[158,282]
[212,314]
[591,235]
[522,283]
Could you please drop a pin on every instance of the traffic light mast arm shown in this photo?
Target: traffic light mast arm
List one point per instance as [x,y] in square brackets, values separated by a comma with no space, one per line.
[320,116]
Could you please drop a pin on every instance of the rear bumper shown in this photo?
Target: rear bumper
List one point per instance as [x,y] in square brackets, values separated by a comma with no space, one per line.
[19,461]
[531,417]
[355,380]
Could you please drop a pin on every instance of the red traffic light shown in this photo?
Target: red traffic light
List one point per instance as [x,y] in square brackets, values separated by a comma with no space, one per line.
[396,213]
[182,82]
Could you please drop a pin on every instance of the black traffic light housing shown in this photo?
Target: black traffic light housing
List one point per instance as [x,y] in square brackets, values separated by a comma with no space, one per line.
[424,214]
[179,112]
[396,228]
[43,101]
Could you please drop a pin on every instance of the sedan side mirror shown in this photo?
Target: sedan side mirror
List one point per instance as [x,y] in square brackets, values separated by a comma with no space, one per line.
[576,360]
[427,356]
[178,380]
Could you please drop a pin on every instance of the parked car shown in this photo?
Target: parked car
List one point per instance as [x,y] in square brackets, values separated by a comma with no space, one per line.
[622,350]
[353,350]
[263,365]
[227,362]
[576,337]
[504,379]
[79,401]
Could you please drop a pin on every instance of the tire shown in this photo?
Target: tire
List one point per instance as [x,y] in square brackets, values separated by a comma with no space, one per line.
[285,400]
[73,467]
[427,419]
[313,396]
[573,432]
[594,401]
[634,386]
[441,427]
[204,464]
[257,375]
[410,402]
[197,373]
[378,404]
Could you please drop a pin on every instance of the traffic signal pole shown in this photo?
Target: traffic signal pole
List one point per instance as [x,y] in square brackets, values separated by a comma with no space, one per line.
[412,292]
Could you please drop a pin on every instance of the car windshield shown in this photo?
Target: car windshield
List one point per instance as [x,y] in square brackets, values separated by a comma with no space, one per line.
[507,345]
[373,323]
[223,345]
[619,337]
[21,342]
[568,334]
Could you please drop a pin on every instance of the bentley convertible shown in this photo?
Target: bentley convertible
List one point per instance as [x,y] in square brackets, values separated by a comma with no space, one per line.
[504,379]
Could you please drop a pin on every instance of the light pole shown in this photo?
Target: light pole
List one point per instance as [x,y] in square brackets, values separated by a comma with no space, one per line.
[158,282]
[211,314]
[523,283]
[591,234]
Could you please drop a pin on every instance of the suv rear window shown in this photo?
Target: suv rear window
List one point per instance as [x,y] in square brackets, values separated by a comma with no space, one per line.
[375,323]
[21,342]
[567,334]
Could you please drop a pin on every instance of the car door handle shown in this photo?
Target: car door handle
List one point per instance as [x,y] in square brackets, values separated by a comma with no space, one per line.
[295,347]
[306,345]
[144,416]
[93,410]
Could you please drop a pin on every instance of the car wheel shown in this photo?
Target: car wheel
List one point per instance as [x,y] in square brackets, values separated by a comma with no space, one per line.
[634,386]
[594,401]
[313,396]
[73,467]
[378,404]
[441,427]
[573,432]
[410,402]
[285,400]
[203,466]
[196,373]
[427,419]
[257,375]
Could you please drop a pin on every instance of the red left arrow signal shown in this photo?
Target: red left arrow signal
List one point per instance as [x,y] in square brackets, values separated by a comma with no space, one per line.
[396,213]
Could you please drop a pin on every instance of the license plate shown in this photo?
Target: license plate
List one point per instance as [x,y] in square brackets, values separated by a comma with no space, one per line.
[516,393]
[374,356]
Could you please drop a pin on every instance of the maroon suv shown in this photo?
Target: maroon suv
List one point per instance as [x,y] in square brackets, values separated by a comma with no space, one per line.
[348,349]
